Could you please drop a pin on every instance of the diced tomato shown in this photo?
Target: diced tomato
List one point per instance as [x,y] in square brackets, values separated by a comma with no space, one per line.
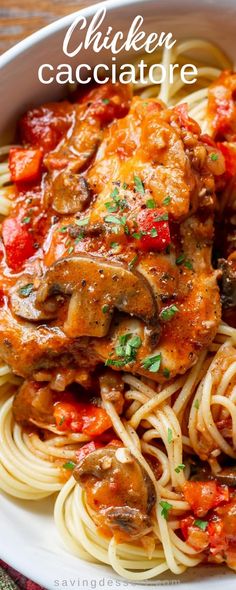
[229,153]
[79,417]
[85,450]
[25,164]
[193,534]
[153,226]
[45,126]
[184,120]
[203,496]
[18,241]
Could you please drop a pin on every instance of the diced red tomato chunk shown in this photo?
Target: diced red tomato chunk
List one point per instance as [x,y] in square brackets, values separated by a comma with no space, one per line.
[80,417]
[18,241]
[153,226]
[25,164]
[203,496]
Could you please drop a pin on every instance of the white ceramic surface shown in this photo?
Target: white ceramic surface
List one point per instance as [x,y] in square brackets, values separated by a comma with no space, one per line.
[28,539]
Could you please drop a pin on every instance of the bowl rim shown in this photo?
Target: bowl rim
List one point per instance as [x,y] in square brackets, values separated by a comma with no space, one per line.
[61,23]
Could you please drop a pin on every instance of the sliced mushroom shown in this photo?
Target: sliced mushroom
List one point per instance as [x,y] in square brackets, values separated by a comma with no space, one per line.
[126,505]
[70,193]
[33,401]
[23,302]
[228,282]
[96,286]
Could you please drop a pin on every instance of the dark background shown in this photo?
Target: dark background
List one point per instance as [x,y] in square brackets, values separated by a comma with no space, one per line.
[20,18]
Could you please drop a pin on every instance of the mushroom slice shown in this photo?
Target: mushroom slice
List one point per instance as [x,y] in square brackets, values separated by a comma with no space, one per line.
[96,287]
[228,282]
[125,507]
[70,193]
[23,302]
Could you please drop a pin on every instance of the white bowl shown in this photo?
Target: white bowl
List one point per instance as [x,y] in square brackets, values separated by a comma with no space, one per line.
[28,539]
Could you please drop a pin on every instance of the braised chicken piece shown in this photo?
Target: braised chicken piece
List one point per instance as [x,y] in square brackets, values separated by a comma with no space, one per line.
[106,257]
[119,493]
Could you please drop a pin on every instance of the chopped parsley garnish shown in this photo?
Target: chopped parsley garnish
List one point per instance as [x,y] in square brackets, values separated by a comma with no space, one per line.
[180,468]
[105,100]
[114,193]
[79,237]
[126,350]
[62,420]
[150,204]
[166,373]
[25,220]
[169,435]
[112,219]
[111,207]
[168,313]
[82,222]
[137,235]
[71,249]
[26,290]
[167,200]
[214,157]
[166,507]
[124,186]
[201,524]
[152,363]
[132,262]
[154,232]
[139,187]
[196,404]
[114,244]
[63,229]
[105,308]
[163,217]
[69,465]
[183,260]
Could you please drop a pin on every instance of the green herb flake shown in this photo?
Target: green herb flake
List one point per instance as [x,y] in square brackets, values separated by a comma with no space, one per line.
[111,207]
[124,186]
[154,232]
[166,507]
[188,264]
[105,308]
[70,465]
[26,290]
[26,220]
[214,157]
[132,262]
[201,524]
[63,229]
[112,219]
[169,435]
[71,249]
[168,313]
[137,235]
[79,237]
[180,468]
[152,363]
[166,373]
[82,222]
[105,100]
[114,244]
[163,217]
[126,350]
[196,404]
[62,420]
[150,204]
[183,260]
[139,187]
[167,200]
[114,193]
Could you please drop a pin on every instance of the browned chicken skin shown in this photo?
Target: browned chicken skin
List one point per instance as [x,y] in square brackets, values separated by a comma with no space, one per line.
[62,321]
